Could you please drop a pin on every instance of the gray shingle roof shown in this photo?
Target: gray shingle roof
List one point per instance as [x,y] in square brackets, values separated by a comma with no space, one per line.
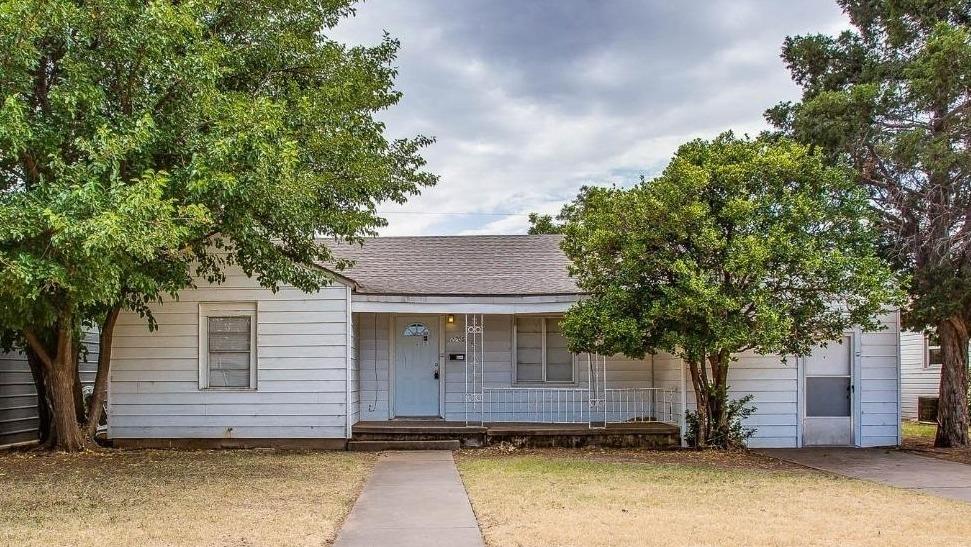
[459,265]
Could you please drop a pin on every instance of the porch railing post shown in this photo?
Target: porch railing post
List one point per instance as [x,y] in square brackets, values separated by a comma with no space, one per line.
[465,326]
[475,401]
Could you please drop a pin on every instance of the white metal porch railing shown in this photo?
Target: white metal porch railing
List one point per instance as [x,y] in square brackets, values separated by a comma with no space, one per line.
[640,404]
[575,405]
[536,405]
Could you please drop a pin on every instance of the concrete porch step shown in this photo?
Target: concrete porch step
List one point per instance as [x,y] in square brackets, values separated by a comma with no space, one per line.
[386,435]
[376,446]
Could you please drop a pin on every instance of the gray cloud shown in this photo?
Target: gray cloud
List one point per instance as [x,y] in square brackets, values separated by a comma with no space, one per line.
[530,100]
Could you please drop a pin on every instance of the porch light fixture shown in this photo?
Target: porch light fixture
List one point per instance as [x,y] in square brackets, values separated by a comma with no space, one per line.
[449,318]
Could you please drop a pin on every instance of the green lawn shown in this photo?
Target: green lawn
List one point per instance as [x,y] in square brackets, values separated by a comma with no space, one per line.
[919,430]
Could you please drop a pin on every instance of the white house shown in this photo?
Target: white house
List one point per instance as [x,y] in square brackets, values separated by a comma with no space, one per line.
[451,335]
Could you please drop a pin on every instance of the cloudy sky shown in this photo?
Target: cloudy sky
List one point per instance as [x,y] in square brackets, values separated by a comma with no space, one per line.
[531,99]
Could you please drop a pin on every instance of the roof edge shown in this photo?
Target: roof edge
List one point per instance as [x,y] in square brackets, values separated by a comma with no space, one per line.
[468,295]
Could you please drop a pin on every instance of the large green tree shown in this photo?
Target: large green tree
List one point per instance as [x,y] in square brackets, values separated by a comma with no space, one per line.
[543,224]
[739,245]
[892,97]
[144,143]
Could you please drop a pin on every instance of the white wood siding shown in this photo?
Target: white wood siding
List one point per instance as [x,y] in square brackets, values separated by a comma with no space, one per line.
[774,386]
[301,368]
[355,372]
[916,380]
[373,351]
[878,385]
[18,398]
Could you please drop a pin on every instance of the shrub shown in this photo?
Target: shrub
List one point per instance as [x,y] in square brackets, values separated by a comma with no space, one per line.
[737,435]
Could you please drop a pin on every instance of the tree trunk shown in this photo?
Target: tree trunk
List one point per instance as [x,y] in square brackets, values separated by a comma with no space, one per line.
[45,428]
[96,405]
[719,398]
[711,396]
[62,381]
[699,384]
[60,372]
[952,410]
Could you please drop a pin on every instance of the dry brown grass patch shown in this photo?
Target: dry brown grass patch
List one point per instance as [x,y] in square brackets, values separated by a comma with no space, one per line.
[725,459]
[692,498]
[155,497]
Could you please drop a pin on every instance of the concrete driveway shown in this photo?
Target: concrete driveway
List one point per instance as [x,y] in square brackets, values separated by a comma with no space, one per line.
[892,467]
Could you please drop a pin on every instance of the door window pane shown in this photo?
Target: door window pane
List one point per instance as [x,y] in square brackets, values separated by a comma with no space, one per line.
[416,329]
[827,396]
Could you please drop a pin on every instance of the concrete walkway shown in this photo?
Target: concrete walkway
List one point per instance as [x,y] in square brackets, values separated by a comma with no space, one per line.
[412,499]
[892,467]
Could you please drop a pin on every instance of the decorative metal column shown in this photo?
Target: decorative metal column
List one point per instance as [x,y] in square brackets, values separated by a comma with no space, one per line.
[474,367]
[597,385]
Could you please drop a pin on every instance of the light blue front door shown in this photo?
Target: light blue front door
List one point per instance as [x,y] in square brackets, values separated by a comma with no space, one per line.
[416,366]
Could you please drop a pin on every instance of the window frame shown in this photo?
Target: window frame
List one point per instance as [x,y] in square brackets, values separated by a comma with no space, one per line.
[515,354]
[208,310]
[927,350]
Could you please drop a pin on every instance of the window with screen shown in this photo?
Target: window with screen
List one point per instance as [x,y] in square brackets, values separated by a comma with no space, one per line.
[541,351]
[228,339]
[933,355]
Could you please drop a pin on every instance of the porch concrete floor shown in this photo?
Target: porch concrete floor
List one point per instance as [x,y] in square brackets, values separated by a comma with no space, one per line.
[412,499]
[887,466]
[416,426]
[441,426]
[581,429]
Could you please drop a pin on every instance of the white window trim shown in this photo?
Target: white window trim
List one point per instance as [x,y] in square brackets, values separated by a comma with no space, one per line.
[515,355]
[927,352]
[226,309]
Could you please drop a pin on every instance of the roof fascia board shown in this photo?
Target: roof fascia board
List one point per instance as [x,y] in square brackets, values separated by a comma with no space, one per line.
[461,306]
[466,299]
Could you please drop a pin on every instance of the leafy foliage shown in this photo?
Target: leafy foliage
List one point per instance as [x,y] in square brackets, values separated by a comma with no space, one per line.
[739,245]
[543,224]
[891,98]
[236,120]
[144,143]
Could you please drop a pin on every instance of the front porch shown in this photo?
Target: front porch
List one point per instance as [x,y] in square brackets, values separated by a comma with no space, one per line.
[382,435]
[481,379]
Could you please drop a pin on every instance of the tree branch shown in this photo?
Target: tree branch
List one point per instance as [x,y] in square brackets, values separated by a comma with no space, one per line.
[39,349]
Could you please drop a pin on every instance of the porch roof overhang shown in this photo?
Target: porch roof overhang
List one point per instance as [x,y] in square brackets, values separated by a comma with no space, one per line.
[390,303]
